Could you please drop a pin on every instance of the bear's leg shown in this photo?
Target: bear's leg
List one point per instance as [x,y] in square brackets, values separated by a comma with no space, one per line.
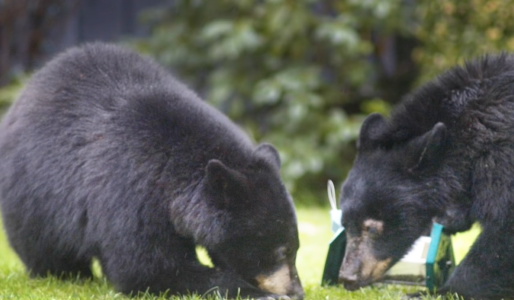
[171,265]
[40,254]
[64,267]
[42,261]
[487,271]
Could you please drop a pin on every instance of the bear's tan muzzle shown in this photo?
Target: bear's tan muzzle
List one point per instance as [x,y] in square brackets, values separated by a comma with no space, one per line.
[360,267]
[284,281]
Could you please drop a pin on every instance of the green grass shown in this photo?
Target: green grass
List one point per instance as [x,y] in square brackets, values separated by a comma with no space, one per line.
[314,226]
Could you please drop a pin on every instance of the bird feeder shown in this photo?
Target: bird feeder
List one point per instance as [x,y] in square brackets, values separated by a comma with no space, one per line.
[429,263]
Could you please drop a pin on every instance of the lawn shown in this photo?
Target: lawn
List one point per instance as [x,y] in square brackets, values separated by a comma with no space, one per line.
[314,226]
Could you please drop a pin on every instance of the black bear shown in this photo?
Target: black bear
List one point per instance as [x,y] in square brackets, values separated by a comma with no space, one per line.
[446,154]
[106,155]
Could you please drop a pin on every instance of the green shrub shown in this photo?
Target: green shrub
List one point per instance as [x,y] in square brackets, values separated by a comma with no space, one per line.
[298,74]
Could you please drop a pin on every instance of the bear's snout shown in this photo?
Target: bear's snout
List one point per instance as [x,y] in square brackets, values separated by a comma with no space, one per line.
[284,281]
[348,274]
[349,281]
[360,267]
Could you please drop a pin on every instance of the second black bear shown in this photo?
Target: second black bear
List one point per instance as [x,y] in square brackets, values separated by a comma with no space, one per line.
[446,155]
[106,155]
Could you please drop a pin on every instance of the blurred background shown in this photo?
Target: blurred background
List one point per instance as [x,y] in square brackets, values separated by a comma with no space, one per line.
[300,74]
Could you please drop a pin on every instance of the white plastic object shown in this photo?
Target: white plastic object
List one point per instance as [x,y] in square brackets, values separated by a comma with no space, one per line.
[335,214]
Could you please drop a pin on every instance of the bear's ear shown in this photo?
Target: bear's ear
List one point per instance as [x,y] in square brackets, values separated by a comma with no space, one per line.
[427,149]
[269,154]
[372,129]
[226,187]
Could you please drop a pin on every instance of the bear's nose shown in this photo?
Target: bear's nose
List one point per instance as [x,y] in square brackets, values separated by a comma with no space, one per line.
[298,295]
[349,281]
[295,290]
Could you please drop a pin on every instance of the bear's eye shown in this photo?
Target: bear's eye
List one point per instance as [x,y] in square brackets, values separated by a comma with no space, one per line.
[372,231]
[373,228]
[281,254]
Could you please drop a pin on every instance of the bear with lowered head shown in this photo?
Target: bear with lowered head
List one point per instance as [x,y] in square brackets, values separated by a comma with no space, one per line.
[105,155]
[446,154]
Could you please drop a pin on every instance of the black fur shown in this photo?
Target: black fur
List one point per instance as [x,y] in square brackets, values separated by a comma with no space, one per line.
[446,154]
[106,155]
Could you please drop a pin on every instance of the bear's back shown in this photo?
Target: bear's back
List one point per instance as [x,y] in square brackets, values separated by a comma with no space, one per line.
[471,101]
[107,95]
[101,124]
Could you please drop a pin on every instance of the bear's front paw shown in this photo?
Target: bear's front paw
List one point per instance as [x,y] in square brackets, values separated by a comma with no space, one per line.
[262,295]
[441,294]
[416,296]
[274,297]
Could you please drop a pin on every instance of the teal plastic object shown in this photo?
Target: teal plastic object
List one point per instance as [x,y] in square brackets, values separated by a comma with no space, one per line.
[440,258]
